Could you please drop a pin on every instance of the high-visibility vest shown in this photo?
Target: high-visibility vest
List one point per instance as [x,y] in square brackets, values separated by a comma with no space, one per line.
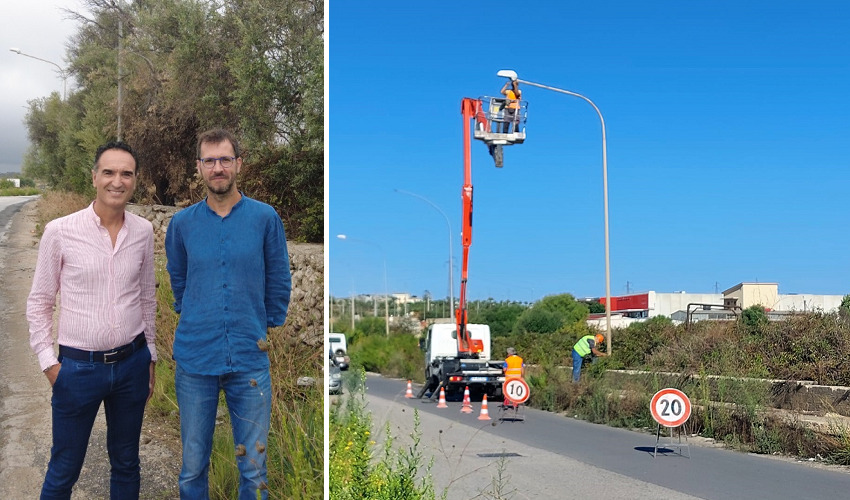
[514,369]
[582,347]
[513,99]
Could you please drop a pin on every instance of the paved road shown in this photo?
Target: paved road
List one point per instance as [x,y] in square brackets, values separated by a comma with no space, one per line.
[561,457]
[9,206]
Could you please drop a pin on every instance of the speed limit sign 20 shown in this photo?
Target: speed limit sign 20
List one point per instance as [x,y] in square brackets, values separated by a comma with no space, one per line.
[516,390]
[670,407]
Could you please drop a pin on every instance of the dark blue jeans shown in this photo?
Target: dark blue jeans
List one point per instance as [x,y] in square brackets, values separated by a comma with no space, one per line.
[249,398]
[577,361]
[79,389]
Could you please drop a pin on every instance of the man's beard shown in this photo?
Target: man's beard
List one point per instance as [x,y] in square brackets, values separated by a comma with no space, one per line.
[220,190]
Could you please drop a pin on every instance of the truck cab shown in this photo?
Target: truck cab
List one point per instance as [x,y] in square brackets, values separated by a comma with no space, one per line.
[444,366]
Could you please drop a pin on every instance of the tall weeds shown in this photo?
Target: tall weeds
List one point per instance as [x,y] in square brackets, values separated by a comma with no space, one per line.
[295,448]
[359,471]
[55,204]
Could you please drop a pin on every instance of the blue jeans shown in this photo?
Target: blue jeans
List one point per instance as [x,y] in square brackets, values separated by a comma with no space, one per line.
[577,361]
[249,399]
[79,389]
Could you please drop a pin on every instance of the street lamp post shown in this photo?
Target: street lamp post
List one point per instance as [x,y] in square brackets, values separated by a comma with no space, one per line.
[386,294]
[451,258]
[513,75]
[62,71]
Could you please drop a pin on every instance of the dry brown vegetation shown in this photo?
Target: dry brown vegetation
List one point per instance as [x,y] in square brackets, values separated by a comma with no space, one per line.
[55,204]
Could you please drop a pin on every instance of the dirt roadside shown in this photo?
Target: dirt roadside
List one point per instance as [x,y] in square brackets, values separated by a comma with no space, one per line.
[25,424]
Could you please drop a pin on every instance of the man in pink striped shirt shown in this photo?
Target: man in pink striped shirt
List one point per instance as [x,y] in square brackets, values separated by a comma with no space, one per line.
[100,261]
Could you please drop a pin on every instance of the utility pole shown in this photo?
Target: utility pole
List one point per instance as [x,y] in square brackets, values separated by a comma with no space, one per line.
[120,76]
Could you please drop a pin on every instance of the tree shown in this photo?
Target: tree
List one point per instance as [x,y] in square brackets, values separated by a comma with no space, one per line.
[500,316]
[596,307]
[754,319]
[552,314]
[253,66]
[536,320]
[844,308]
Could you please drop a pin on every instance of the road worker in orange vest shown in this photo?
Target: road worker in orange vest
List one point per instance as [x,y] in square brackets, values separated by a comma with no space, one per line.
[514,367]
[512,95]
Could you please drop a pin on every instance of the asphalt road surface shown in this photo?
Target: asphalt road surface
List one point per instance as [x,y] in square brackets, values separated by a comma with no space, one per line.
[9,206]
[561,457]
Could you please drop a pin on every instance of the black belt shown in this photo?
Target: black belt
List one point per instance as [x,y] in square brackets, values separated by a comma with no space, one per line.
[107,357]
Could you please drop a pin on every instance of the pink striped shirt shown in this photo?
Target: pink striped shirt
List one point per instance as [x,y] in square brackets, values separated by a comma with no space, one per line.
[107,293]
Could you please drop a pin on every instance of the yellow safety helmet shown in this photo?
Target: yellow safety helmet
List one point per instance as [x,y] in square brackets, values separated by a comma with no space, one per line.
[600,338]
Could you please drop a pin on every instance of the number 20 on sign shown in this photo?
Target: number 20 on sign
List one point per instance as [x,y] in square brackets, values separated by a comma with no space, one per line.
[670,407]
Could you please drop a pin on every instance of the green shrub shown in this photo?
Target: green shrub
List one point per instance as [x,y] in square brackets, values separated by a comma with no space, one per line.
[356,469]
[398,355]
[635,344]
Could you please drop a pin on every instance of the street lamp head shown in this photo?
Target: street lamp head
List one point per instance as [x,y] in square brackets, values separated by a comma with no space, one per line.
[507,73]
[15,50]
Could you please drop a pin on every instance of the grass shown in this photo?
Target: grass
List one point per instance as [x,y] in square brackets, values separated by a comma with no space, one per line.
[360,469]
[295,449]
[713,360]
[21,191]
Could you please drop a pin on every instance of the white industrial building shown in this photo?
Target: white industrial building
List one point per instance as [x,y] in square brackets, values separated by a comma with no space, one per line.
[677,306]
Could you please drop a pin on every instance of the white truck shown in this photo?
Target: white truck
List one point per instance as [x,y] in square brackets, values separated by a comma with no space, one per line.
[444,366]
[339,349]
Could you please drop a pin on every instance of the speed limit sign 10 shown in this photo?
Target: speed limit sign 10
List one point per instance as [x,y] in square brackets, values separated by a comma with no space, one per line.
[670,407]
[516,390]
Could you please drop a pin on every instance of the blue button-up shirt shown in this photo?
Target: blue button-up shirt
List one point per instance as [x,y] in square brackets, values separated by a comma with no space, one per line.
[231,280]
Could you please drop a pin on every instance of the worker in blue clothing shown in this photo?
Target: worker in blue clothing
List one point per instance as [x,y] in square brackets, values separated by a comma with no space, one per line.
[229,269]
[586,345]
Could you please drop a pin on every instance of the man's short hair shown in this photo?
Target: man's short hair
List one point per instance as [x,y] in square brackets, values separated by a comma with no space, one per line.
[216,136]
[123,146]
[511,351]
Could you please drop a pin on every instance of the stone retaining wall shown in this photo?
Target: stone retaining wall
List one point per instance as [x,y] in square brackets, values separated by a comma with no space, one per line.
[305,319]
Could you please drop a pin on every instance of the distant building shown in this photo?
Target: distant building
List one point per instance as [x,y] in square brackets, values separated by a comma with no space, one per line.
[712,306]
[404,298]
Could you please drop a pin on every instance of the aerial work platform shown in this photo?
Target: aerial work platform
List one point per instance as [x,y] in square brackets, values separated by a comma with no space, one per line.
[495,126]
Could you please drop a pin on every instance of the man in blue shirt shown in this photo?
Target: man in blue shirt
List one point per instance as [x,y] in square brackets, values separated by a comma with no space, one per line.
[229,270]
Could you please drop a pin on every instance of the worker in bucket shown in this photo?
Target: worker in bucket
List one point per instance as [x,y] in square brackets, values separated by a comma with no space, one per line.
[512,97]
[586,345]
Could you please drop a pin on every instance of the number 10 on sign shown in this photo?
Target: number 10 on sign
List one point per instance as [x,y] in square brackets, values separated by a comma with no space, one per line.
[670,407]
[516,390]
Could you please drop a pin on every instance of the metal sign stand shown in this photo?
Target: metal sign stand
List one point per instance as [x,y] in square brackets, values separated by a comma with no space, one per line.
[511,412]
[671,443]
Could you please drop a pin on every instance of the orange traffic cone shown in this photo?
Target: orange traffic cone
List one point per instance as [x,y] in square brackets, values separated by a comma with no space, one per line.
[467,405]
[485,415]
[409,393]
[442,402]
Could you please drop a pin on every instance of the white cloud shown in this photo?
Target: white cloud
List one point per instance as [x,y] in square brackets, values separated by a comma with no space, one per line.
[39,28]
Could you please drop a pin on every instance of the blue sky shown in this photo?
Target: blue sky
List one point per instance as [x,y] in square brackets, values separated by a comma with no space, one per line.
[728,127]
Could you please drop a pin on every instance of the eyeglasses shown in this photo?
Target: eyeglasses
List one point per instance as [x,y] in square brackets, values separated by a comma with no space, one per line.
[226,162]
